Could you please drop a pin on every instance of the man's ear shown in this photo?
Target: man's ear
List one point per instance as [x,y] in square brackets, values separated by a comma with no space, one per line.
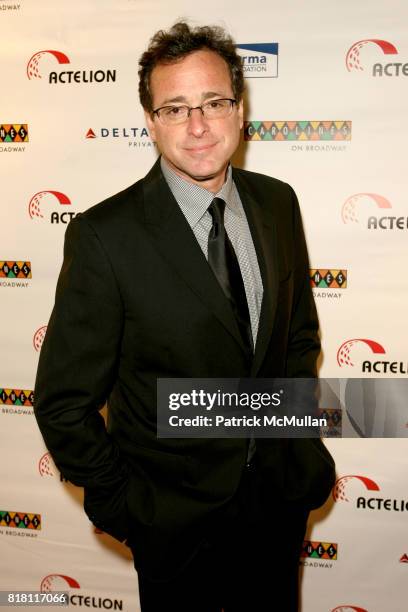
[240,108]
[150,125]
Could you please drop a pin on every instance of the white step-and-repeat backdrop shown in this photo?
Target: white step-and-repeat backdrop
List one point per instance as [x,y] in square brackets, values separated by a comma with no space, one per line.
[326,102]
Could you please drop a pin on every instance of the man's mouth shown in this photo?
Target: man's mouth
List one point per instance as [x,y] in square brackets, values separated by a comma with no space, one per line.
[200,148]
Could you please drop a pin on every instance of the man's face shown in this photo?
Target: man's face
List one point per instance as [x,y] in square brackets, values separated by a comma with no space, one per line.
[198,150]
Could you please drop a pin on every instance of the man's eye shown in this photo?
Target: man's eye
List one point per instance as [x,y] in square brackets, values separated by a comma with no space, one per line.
[173,110]
[215,104]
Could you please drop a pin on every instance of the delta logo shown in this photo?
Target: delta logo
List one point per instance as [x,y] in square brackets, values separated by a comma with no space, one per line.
[38,337]
[20,520]
[42,63]
[15,274]
[364,502]
[359,207]
[297,130]
[348,608]
[404,558]
[137,137]
[62,582]
[355,350]
[365,53]
[259,60]
[53,199]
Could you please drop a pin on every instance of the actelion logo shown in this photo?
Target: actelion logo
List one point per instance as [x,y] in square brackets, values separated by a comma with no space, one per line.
[50,198]
[354,61]
[259,60]
[46,465]
[358,347]
[297,130]
[404,558]
[339,489]
[60,582]
[38,338]
[37,64]
[345,350]
[350,209]
[357,209]
[363,502]
[33,65]
[348,608]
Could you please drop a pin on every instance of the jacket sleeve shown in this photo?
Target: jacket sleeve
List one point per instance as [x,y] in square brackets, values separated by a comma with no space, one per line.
[311,469]
[78,366]
[304,342]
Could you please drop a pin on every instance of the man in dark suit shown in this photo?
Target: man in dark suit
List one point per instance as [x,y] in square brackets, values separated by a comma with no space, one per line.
[197,270]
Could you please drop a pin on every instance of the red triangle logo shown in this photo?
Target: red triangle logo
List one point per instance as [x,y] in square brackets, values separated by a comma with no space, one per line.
[90,133]
[404,558]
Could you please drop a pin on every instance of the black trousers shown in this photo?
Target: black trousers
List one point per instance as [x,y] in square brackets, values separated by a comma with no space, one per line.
[248,562]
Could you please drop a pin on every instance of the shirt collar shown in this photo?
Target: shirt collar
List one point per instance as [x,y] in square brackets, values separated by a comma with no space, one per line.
[195,200]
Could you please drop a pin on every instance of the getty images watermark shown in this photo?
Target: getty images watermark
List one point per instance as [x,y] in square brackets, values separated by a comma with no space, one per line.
[282,408]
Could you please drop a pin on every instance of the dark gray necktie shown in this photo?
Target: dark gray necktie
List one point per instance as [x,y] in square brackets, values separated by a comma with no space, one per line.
[224,263]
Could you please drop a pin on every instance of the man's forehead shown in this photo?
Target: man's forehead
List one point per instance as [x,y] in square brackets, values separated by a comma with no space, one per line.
[204,95]
[201,73]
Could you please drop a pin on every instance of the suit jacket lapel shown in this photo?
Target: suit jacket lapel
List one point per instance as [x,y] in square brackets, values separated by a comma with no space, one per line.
[175,240]
[263,229]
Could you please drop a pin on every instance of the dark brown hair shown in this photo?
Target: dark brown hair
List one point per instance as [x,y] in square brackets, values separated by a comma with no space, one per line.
[180,41]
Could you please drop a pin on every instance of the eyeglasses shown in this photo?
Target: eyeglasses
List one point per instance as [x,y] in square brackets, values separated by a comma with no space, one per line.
[176,114]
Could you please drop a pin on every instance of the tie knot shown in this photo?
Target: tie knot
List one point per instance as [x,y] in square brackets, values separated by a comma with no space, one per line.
[216,210]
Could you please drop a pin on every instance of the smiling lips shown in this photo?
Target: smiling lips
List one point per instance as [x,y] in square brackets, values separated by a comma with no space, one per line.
[200,148]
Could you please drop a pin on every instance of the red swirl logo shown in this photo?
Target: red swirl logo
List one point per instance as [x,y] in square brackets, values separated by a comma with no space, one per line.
[34,206]
[45,465]
[39,337]
[339,489]
[353,56]
[344,352]
[353,204]
[58,582]
[33,66]
[348,608]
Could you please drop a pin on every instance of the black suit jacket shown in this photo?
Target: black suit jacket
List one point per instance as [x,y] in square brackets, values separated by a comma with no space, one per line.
[136,300]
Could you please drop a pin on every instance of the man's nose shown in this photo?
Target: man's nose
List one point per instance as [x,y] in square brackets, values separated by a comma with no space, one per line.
[197,123]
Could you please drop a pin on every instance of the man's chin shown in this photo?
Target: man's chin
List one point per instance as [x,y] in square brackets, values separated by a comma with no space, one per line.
[202,174]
